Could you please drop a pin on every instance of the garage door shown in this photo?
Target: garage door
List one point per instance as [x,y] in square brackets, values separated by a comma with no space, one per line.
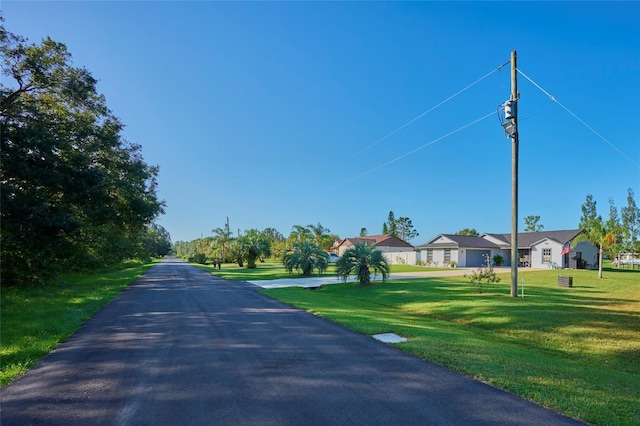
[476,258]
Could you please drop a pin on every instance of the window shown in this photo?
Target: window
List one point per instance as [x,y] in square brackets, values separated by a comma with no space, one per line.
[430,256]
[447,255]
[546,255]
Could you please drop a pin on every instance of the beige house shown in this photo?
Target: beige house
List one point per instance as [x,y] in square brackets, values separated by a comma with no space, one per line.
[385,243]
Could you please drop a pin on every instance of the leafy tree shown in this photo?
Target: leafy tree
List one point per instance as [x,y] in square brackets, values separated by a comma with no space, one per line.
[306,257]
[321,236]
[405,229]
[155,242]
[276,242]
[361,259]
[615,227]
[185,249]
[595,230]
[630,218]
[278,249]
[74,194]
[272,235]
[363,232]
[531,224]
[470,232]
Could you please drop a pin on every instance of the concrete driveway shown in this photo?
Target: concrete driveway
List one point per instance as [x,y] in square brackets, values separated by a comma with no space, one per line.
[320,281]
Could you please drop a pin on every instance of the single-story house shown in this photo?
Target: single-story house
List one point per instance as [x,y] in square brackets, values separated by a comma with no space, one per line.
[535,249]
[385,243]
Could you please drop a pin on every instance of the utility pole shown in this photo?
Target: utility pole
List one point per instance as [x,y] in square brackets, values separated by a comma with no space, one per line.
[514,178]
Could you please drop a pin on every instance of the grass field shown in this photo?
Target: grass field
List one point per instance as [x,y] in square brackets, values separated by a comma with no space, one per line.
[36,319]
[273,271]
[575,350]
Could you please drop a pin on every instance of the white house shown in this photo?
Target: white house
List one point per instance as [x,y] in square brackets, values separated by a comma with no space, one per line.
[535,249]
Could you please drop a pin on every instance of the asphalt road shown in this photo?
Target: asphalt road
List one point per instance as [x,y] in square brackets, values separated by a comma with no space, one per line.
[182,347]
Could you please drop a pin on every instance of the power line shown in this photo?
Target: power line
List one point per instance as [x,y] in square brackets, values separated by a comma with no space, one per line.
[418,148]
[578,118]
[431,109]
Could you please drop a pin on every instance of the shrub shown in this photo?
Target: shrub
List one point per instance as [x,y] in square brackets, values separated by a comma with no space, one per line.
[484,275]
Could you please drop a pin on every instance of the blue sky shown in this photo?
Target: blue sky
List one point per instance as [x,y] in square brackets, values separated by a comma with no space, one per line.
[275,113]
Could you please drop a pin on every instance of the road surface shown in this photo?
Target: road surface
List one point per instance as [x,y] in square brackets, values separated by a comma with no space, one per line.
[182,347]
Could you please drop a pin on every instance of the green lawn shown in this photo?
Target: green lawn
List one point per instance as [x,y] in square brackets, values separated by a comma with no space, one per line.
[414,268]
[36,319]
[575,350]
[273,271]
[268,271]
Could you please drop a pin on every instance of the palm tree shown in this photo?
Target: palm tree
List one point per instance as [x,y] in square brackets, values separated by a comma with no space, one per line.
[254,245]
[320,234]
[299,234]
[598,233]
[222,238]
[306,257]
[361,259]
[595,230]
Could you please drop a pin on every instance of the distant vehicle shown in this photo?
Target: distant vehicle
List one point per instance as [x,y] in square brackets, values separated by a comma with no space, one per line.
[333,258]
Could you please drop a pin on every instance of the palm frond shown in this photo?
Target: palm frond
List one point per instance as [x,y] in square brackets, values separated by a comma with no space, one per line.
[360,260]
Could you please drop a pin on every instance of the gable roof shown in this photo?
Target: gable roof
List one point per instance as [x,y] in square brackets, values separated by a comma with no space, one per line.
[529,239]
[499,241]
[386,240]
[457,241]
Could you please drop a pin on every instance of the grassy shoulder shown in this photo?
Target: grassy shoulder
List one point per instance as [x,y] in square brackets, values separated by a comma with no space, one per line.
[36,319]
[575,350]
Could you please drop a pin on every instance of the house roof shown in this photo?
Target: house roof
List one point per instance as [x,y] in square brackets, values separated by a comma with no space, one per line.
[457,241]
[525,239]
[386,240]
[500,237]
[529,239]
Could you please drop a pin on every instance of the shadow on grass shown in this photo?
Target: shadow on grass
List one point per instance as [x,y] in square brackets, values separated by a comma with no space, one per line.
[587,322]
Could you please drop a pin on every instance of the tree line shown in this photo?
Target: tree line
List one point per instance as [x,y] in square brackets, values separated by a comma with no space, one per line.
[401,227]
[74,193]
[225,246]
[619,233]
[252,245]
[304,250]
